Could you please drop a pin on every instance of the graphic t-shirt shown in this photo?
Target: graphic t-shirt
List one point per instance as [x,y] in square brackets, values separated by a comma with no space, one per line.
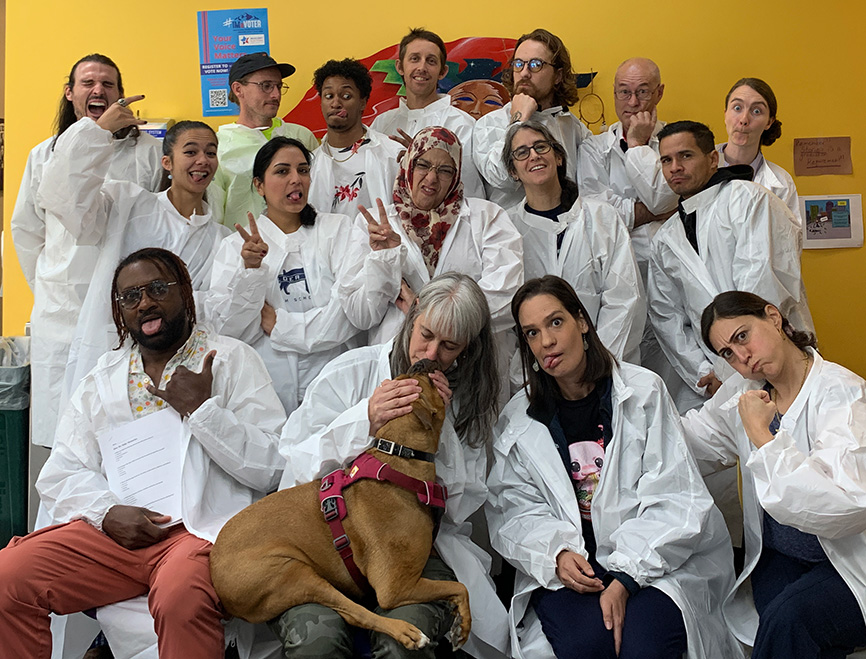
[349,177]
[584,431]
[292,279]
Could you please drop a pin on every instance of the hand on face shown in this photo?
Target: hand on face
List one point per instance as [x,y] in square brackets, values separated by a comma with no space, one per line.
[391,399]
[187,391]
[133,528]
[641,128]
[254,249]
[117,117]
[523,106]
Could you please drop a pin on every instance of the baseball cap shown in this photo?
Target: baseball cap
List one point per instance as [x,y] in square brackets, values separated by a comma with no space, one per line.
[253,62]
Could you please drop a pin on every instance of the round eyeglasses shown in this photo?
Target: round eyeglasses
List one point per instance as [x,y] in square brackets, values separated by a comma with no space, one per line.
[267,86]
[535,64]
[156,290]
[540,147]
[444,172]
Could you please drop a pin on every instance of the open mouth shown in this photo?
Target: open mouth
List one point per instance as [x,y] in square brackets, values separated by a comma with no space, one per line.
[552,360]
[199,176]
[96,107]
[151,326]
[295,196]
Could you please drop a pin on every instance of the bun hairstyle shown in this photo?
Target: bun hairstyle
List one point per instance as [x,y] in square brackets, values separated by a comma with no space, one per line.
[774,132]
[740,303]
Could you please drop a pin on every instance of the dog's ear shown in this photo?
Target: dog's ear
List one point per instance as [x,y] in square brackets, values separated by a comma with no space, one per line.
[423,410]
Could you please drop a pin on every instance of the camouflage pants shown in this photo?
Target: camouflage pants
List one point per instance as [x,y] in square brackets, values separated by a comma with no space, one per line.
[313,631]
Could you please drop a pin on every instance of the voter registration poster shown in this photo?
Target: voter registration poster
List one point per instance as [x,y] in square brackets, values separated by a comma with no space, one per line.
[224,36]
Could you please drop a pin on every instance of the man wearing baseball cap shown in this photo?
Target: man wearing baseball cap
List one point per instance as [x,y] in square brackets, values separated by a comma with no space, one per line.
[256,85]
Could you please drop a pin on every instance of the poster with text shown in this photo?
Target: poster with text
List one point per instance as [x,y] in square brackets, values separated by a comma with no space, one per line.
[832,221]
[223,37]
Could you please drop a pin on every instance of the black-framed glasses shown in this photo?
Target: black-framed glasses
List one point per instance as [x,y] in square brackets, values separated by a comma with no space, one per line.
[643,94]
[156,290]
[540,147]
[535,64]
[267,86]
[444,172]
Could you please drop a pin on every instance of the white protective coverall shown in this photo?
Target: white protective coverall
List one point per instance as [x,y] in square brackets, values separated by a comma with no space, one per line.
[378,160]
[748,241]
[331,428]
[118,218]
[439,113]
[776,180]
[483,243]
[596,258]
[488,140]
[602,173]
[231,194]
[350,285]
[810,476]
[651,513]
[59,270]
[229,449]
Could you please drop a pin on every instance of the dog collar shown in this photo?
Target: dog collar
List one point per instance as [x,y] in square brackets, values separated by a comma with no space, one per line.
[393,448]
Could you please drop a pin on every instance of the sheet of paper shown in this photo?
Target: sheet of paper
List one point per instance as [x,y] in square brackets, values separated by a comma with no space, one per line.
[142,461]
[814,156]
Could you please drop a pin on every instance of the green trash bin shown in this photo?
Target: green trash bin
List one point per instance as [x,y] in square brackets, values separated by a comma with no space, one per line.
[14,434]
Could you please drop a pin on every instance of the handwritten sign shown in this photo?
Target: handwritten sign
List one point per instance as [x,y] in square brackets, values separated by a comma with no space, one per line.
[814,156]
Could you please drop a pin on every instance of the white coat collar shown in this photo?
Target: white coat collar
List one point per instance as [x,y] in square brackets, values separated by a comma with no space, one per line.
[546,224]
[703,198]
[196,221]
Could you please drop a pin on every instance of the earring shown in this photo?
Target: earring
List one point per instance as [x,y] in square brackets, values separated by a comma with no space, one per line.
[585,343]
[169,177]
[535,366]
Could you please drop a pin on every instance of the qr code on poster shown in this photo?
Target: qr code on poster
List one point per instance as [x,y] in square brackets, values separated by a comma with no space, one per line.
[219,98]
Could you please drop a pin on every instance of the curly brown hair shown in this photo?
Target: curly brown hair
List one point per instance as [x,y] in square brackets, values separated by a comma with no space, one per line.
[564,91]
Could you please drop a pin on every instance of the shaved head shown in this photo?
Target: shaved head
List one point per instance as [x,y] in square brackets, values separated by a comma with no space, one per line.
[641,65]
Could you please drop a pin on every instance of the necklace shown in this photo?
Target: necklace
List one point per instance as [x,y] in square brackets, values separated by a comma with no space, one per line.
[352,149]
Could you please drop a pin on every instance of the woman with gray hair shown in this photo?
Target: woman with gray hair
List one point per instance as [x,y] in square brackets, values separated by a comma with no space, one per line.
[581,240]
[353,396]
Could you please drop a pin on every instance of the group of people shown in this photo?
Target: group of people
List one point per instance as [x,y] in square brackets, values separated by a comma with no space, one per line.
[611,283]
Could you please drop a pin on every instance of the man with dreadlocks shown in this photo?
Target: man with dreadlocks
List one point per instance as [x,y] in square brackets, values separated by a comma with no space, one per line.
[58,270]
[104,551]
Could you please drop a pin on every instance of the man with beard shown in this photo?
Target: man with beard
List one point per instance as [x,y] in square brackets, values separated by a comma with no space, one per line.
[355,164]
[104,551]
[57,269]
[256,85]
[542,85]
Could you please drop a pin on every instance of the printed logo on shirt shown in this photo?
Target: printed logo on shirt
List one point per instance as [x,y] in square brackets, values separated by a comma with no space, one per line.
[587,460]
[293,285]
[344,193]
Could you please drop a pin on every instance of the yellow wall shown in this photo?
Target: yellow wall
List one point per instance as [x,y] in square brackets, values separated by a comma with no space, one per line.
[809,52]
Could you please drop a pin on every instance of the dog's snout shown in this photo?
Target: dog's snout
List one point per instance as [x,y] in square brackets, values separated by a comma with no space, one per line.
[424,366]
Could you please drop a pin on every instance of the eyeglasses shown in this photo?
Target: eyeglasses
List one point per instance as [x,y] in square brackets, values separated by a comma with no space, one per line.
[643,94]
[156,290]
[535,64]
[540,147]
[267,86]
[444,172]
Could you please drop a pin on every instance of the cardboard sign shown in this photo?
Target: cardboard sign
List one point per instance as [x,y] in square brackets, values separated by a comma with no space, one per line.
[814,156]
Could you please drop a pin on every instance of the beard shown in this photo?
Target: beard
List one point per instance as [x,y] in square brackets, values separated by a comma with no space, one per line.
[174,332]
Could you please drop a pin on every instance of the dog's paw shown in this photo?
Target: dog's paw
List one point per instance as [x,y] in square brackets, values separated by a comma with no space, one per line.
[456,632]
[423,642]
[406,634]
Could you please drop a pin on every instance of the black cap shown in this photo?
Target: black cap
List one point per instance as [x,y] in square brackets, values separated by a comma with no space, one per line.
[253,62]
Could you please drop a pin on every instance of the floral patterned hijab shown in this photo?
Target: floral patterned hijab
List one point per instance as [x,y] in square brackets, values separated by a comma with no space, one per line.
[427,229]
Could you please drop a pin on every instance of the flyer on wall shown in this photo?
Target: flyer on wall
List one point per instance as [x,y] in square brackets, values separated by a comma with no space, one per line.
[224,36]
[832,221]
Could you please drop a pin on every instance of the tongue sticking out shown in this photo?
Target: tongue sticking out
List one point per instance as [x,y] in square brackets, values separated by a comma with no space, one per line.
[295,196]
[151,327]
[551,361]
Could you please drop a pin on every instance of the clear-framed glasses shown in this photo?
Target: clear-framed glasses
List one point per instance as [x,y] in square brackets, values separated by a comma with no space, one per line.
[444,172]
[643,94]
[535,64]
[156,290]
[540,147]
[267,86]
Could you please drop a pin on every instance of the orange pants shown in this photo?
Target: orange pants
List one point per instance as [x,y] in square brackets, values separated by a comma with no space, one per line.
[73,567]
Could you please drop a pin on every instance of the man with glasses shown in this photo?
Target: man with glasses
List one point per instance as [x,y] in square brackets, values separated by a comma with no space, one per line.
[215,394]
[256,85]
[542,85]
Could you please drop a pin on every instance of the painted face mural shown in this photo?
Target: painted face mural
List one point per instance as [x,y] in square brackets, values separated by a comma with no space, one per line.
[478,97]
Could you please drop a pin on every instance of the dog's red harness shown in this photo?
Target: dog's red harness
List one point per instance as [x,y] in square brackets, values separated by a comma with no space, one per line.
[334,505]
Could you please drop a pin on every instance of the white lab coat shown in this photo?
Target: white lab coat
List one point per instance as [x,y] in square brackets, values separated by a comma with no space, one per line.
[331,428]
[59,270]
[810,476]
[483,243]
[602,173]
[776,180]
[439,113]
[334,255]
[378,159]
[231,194]
[748,241]
[118,218]
[488,140]
[652,515]
[596,258]
[229,449]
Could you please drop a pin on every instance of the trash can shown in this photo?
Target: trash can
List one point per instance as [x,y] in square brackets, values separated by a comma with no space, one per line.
[14,434]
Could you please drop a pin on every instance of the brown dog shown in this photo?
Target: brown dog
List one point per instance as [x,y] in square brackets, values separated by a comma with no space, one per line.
[279,552]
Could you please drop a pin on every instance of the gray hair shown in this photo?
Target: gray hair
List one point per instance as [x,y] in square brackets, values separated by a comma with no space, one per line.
[569,187]
[453,304]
